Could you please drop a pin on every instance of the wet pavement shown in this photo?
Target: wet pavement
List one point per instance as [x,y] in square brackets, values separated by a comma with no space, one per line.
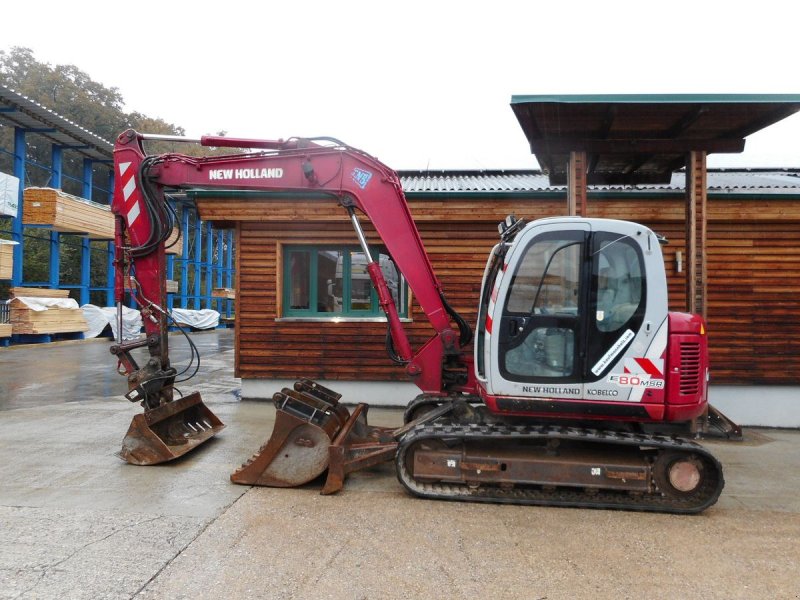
[77,522]
[71,371]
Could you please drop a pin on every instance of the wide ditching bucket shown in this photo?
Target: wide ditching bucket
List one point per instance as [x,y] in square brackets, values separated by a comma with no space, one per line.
[307,418]
[314,433]
[169,431]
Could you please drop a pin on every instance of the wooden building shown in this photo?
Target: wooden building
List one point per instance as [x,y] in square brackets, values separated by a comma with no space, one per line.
[733,255]
[753,258]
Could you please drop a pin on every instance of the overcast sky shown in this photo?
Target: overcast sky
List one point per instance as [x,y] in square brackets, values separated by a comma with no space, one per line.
[418,84]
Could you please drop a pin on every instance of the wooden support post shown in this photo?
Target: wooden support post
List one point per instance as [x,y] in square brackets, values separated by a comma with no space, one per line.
[576,184]
[696,233]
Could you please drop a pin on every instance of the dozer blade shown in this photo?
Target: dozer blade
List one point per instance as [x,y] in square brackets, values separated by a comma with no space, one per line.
[306,421]
[169,431]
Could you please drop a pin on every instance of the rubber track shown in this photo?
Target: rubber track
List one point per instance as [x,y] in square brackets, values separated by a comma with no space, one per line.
[561,496]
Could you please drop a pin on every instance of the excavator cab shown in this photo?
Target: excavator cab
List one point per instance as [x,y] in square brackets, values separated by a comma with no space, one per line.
[575,311]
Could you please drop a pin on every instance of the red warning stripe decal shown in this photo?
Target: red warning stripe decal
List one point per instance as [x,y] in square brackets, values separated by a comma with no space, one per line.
[645,365]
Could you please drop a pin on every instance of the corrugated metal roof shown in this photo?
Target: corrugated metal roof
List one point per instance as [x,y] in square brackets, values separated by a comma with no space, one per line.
[473,181]
[766,181]
[20,111]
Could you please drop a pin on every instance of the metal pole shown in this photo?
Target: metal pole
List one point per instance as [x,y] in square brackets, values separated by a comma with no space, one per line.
[198,259]
[56,162]
[168,138]
[20,158]
[362,240]
[86,249]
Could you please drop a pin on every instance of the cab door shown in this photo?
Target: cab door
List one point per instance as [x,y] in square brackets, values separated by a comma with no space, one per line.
[573,311]
[540,333]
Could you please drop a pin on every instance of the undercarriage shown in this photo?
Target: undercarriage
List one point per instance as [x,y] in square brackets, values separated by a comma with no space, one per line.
[453,449]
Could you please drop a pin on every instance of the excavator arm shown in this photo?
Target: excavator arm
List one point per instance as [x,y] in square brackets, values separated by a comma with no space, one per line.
[355,180]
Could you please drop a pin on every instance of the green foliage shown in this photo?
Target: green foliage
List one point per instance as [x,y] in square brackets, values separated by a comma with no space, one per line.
[73,94]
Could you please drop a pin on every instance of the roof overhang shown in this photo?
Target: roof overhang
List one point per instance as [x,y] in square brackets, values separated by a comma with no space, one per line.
[631,139]
[20,111]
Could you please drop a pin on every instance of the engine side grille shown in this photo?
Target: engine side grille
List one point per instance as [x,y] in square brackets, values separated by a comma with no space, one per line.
[690,368]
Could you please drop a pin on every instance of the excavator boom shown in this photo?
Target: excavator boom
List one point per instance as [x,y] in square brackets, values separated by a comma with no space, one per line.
[350,177]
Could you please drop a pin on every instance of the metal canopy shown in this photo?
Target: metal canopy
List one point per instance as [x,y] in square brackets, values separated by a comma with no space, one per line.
[631,139]
[20,111]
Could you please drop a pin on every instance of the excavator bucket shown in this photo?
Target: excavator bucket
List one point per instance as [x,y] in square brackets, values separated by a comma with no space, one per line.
[307,420]
[169,431]
[313,432]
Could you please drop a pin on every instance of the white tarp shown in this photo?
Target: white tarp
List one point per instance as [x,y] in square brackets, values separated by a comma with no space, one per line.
[98,318]
[40,304]
[199,319]
[9,195]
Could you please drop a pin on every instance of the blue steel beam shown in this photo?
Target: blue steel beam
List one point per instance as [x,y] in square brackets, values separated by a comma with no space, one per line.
[198,259]
[208,267]
[56,171]
[229,270]
[110,274]
[87,178]
[220,269]
[185,257]
[20,156]
[86,270]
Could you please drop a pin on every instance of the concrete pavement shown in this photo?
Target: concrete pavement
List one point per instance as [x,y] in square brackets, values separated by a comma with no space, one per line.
[76,522]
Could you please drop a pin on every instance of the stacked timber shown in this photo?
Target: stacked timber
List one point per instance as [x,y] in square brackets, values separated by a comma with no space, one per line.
[67,213]
[174,243]
[172,285]
[5,326]
[35,311]
[6,259]
[224,293]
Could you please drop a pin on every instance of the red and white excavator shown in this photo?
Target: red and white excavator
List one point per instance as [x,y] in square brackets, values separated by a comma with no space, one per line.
[576,390]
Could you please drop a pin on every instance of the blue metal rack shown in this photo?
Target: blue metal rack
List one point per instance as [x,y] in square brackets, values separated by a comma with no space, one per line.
[206,260]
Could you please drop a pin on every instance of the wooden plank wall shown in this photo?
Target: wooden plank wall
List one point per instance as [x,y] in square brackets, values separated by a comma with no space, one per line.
[753,297]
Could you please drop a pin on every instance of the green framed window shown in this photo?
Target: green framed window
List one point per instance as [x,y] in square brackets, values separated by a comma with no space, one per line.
[332,281]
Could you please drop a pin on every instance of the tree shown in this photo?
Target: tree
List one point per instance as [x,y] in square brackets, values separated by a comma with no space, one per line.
[73,94]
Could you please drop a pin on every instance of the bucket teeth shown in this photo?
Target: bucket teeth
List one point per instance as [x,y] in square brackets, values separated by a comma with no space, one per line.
[169,431]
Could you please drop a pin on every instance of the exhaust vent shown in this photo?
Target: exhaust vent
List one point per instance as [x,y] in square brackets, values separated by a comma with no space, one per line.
[690,368]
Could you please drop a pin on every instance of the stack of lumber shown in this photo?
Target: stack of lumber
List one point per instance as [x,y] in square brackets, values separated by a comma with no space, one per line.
[177,249]
[6,260]
[172,285]
[5,326]
[56,319]
[224,293]
[67,213]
